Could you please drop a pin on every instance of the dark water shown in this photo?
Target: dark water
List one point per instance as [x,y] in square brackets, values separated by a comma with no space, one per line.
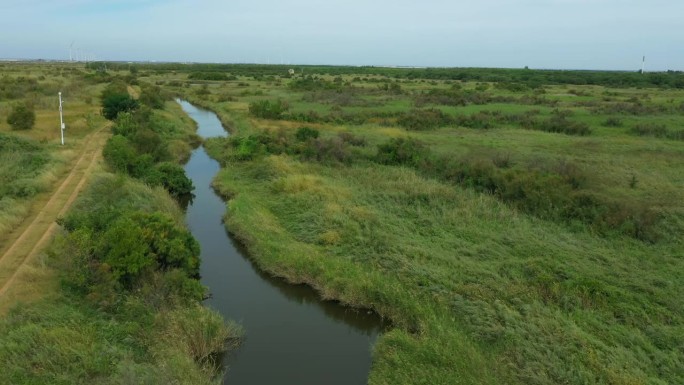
[291,336]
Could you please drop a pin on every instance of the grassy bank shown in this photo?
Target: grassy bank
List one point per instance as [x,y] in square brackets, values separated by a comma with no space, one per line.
[126,305]
[109,322]
[504,249]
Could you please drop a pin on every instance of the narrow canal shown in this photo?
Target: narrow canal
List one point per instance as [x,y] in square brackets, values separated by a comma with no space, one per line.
[292,337]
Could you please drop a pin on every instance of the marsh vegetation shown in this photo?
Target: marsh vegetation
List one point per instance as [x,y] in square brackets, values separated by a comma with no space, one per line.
[515,226]
[121,299]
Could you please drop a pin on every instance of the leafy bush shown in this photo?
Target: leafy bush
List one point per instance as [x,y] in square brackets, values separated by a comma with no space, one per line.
[119,154]
[246,148]
[268,110]
[126,124]
[17,88]
[326,150]
[420,120]
[115,103]
[149,142]
[559,123]
[22,117]
[153,97]
[132,245]
[172,177]
[352,139]
[452,97]
[305,133]
[479,120]
[613,122]
[310,83]
[553,191]
[402,151]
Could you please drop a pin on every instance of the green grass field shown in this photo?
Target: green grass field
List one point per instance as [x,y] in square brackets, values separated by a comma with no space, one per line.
[503,247]
[32,160]
[116,298]
[515,227]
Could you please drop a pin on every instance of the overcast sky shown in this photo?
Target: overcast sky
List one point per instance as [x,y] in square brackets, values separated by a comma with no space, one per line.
[566,34]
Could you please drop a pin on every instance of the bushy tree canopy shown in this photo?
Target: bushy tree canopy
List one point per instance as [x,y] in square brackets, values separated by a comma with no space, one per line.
[114,103]
[22,117]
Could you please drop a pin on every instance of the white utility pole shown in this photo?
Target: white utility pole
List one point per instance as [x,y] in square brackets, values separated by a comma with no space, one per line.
[61,120]
[643,64]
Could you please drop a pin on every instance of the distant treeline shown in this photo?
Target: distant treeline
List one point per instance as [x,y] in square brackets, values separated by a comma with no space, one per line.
[533,78]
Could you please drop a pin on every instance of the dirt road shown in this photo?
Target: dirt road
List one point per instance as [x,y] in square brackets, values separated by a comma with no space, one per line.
[34,234]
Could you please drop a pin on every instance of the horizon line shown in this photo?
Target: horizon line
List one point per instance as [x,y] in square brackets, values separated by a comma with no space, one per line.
[27,60]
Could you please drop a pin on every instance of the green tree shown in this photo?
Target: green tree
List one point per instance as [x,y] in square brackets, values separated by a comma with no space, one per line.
[22,117]
[172,177]
[139,242]
[119,153]
[114,103]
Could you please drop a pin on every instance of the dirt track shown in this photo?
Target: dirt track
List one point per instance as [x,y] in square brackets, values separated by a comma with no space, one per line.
[37,230]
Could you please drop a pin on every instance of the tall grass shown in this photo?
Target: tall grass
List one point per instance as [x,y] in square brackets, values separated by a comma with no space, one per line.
[28,168]
[479,290]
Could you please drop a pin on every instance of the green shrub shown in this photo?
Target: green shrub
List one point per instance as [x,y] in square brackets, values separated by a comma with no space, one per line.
[305,133]
[613,122]
[126,124]
[479,120]
[650,129]
[172,177]
[153,97]
[268,110]
[402,151]
[559,123]
[137,243]
[119,154]
[22,117]
[352,139]
[202,332]
[420,120]
[247,148]
[113,104]
[147,141]
[326,150]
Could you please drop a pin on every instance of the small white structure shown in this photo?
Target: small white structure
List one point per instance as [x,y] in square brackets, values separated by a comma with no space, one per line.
[62,126]
[291,72]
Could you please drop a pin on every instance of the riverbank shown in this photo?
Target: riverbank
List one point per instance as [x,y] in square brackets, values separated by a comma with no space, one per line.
[480,291]
[126,303]
[289,329]
[92,328]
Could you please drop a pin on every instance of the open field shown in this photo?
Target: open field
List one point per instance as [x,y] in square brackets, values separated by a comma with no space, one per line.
[33,160]
[518,227]
[514,231]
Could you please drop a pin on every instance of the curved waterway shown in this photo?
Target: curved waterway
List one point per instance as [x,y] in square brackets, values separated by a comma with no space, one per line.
[292,337]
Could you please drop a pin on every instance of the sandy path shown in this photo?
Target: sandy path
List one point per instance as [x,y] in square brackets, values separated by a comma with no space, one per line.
[37,230]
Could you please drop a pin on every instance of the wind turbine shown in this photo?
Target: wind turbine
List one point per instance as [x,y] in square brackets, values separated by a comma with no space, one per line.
[71,57]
